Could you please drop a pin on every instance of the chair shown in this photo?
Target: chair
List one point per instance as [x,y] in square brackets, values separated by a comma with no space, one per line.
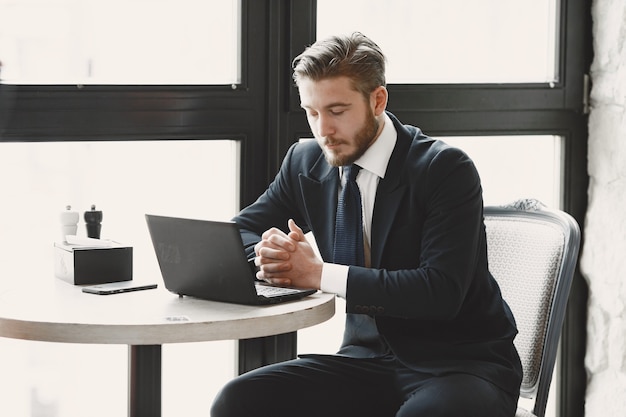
[532,253]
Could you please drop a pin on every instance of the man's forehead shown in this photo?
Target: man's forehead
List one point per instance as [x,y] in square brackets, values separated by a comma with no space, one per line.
[330,92]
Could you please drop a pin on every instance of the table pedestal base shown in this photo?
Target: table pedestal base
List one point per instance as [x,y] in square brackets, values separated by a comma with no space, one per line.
[144,381]
[260,351]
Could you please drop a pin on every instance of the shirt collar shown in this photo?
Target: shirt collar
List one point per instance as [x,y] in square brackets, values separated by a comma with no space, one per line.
[376,157]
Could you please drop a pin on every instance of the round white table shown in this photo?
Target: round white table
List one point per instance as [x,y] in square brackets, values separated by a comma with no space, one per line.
[55,311]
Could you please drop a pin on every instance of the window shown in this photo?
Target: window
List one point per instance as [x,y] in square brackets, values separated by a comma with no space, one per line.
[120,41]
[514,167]
[453,41]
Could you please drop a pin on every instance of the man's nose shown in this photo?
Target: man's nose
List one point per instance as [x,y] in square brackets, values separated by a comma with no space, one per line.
[325,126]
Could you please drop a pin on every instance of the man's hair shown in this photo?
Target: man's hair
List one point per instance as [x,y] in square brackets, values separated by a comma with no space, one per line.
[354,56]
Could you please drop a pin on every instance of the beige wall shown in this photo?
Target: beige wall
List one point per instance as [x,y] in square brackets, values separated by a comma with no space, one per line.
[604,253]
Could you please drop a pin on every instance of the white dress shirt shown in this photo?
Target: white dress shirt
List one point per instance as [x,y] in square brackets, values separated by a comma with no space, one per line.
[373,165]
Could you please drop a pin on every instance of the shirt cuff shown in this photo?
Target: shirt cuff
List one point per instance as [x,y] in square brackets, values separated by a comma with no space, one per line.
[334,279]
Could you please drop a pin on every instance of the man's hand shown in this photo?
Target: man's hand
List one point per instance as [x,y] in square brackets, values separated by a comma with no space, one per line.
[288,259]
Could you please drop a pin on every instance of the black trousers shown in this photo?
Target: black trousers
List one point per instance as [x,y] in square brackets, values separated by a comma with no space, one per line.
[335,386]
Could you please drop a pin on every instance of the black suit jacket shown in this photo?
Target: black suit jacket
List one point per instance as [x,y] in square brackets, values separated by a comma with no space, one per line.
[429,289]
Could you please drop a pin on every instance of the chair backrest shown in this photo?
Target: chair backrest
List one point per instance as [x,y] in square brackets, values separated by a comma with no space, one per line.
[532,253]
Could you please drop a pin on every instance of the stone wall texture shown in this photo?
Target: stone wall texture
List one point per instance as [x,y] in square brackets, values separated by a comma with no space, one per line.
[603,261]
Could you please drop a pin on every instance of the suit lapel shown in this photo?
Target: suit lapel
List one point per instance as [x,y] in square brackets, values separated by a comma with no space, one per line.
[390,193]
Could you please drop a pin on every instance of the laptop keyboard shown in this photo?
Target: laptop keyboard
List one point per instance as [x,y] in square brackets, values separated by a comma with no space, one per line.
[270,291]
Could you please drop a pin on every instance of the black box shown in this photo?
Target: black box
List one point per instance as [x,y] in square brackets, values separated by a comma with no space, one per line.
[80,265]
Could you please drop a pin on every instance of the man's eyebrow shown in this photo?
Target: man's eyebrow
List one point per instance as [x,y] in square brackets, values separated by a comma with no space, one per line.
[329,106]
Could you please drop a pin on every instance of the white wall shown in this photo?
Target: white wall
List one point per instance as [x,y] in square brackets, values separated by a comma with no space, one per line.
[604,253]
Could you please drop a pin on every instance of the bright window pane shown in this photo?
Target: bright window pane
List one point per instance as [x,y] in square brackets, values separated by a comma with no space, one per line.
[514,167]
[453,41]
[120,41]
[197,179]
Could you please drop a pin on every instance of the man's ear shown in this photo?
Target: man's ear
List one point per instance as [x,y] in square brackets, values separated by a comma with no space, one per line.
[378,99]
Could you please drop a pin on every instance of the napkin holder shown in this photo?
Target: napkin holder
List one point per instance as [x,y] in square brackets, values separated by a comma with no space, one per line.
[90,265]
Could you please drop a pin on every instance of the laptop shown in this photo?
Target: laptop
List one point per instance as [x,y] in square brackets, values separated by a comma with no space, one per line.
[205,259]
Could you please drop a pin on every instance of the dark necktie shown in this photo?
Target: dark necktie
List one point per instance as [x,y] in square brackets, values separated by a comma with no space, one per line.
[348,249]
[361,338]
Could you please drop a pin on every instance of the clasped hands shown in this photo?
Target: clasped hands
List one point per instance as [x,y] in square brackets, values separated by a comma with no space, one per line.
[287,259]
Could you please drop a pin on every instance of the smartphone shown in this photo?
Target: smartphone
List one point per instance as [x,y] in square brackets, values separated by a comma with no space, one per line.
[118,287]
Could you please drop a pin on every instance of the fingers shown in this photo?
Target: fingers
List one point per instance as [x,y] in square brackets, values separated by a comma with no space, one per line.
[276,239]
[273,271]
[295,232]
[274,281]
[267,254]
[274,253]
[271,232]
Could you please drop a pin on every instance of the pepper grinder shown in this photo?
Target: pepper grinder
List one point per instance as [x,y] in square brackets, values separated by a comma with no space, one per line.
[93,220]
[69,222]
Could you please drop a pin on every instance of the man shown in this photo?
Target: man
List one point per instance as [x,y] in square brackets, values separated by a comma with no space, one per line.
[427,331]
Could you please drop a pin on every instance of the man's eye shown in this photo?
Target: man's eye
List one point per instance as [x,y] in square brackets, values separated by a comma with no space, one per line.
[336,112]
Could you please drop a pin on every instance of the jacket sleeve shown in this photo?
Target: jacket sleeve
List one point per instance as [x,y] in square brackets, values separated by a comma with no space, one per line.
[273,208]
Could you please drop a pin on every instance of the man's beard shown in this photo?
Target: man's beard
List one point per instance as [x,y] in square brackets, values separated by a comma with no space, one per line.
[363,139]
